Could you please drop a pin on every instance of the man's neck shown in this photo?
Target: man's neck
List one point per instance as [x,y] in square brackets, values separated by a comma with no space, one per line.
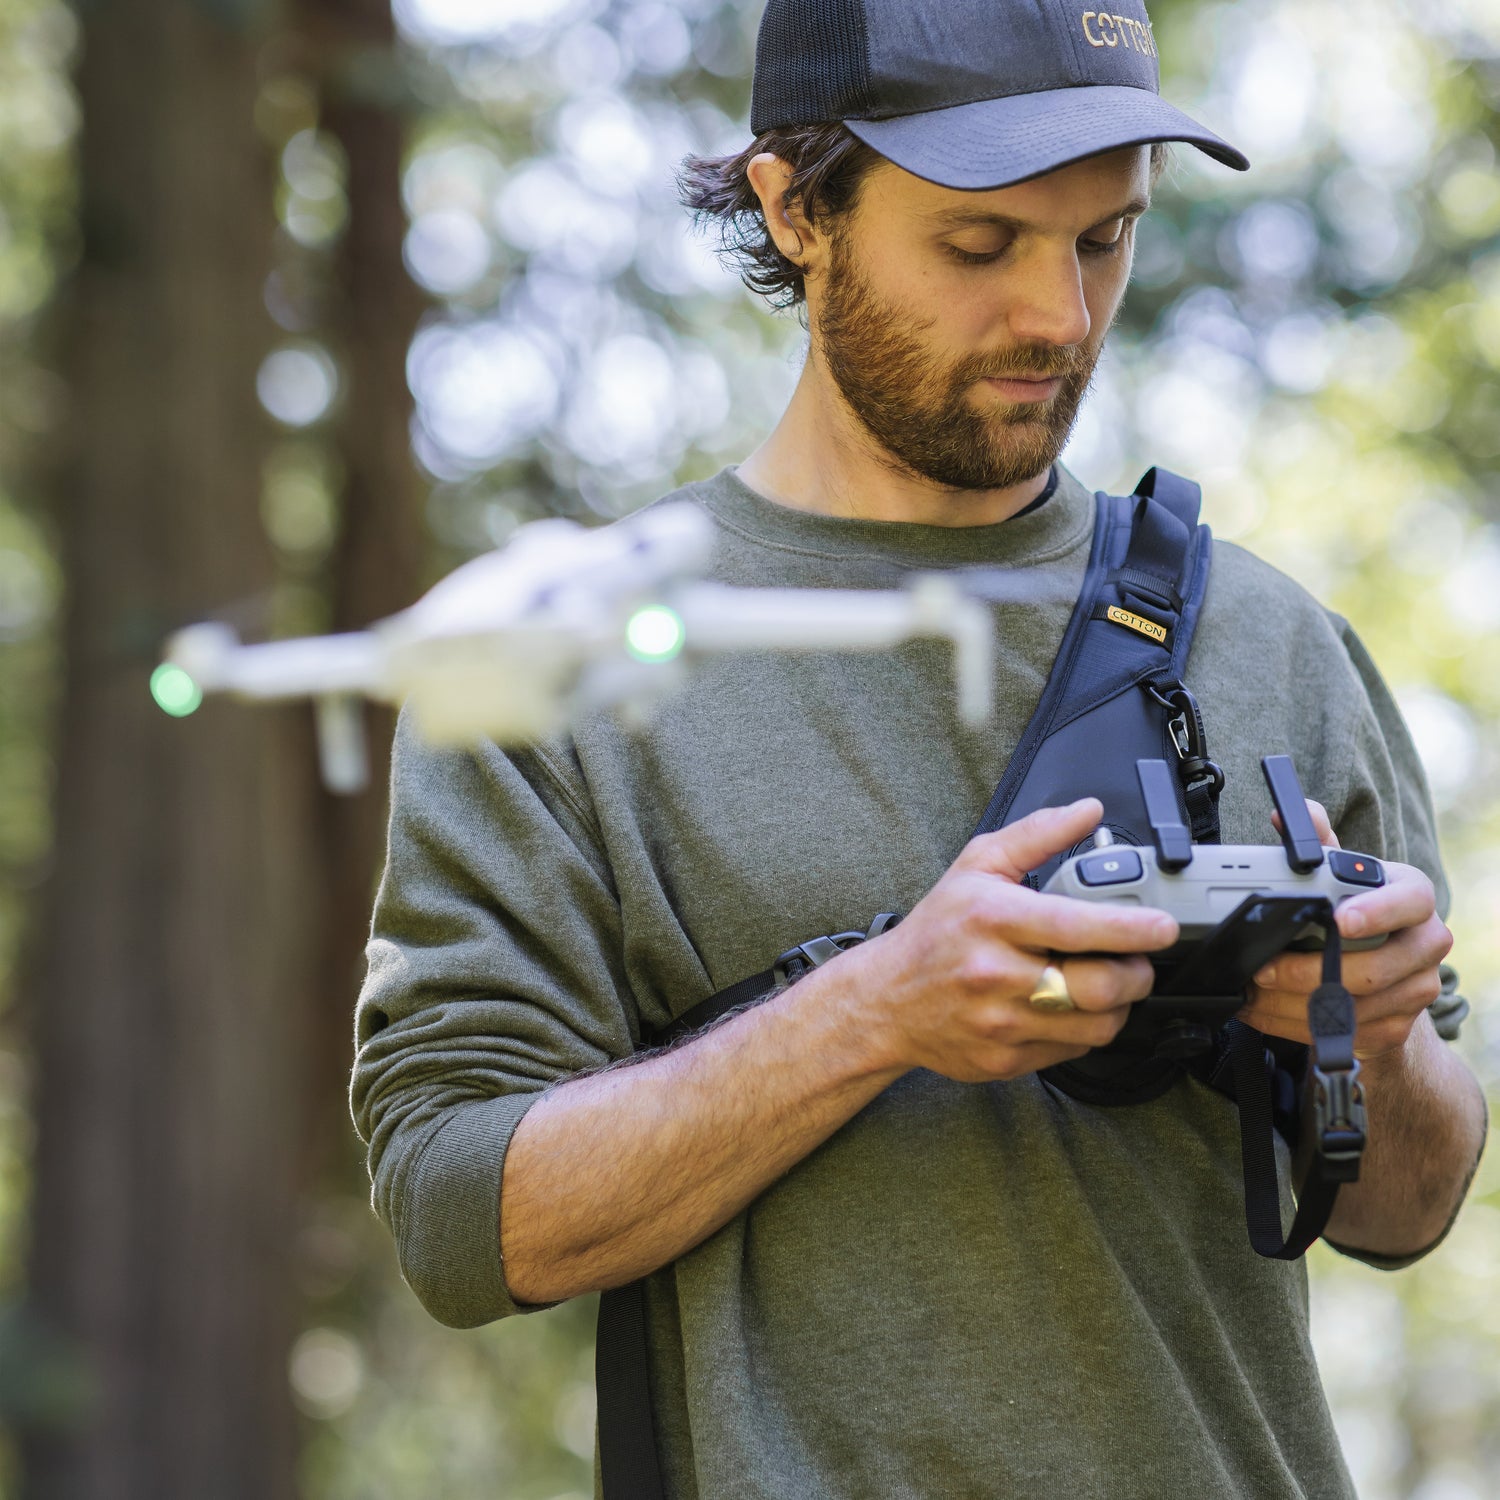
[818,458]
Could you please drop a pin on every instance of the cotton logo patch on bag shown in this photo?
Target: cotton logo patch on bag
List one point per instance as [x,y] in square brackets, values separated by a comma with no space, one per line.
[1124,617]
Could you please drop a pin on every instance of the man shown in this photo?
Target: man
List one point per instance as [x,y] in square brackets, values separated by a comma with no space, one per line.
[884,1258]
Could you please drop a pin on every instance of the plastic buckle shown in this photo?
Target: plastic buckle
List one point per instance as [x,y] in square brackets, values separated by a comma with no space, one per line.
[797,962]
[1339,1120]
[812,954]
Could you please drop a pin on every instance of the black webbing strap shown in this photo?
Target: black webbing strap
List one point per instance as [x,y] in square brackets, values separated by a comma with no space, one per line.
[628,1460]
[716,1007]
[1338,1115]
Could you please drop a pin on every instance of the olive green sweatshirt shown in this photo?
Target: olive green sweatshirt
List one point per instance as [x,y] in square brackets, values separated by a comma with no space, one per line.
[969,1290]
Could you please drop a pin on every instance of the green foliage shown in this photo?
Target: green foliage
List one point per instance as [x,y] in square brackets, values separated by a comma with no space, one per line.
[396,1406]
[37,121]
[506,1410]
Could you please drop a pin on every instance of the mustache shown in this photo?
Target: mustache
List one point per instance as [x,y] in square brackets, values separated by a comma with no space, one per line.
[1038,362]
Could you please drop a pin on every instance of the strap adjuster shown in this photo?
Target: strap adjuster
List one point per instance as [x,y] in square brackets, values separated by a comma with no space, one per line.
[800,961]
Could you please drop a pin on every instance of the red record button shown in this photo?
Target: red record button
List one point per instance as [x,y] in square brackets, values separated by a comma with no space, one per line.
[1355,869]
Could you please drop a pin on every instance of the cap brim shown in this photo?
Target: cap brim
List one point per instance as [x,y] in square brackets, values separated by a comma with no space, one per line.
[993,143]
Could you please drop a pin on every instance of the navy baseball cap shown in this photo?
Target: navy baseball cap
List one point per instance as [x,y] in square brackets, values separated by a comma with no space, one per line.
[971,93]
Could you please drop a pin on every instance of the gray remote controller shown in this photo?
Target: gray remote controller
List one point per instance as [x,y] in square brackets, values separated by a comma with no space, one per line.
[1204,884]
[1219,880]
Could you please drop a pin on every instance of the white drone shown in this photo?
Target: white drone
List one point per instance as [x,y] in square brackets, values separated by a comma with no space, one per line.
[568,620]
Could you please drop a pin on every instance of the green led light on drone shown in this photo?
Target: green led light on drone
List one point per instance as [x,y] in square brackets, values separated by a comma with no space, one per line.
[655,633]
[175,692]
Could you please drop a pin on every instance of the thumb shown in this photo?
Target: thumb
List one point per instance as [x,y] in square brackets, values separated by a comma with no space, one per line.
[1024,845]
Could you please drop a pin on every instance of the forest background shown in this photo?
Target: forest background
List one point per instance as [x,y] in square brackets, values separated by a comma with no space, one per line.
[301,304]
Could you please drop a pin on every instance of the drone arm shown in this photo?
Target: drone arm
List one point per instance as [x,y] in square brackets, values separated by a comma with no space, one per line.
[716,617]
[720,618]
[338,664]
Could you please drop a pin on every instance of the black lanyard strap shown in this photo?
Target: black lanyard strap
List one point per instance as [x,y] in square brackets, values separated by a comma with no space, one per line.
[1338,1121]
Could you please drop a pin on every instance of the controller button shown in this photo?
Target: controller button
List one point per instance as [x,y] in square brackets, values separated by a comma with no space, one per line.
[1115,867]
[1355,869]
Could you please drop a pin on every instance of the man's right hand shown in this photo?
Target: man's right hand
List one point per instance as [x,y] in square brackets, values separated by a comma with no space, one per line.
[611,1175]
[948,988]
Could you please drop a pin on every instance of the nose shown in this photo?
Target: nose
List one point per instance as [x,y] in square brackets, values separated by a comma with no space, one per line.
[1049,305]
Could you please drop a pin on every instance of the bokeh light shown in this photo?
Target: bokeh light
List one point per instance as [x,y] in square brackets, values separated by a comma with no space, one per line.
[297,384]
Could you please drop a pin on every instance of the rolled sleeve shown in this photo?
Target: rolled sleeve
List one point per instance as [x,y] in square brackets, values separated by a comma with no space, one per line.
[494,973]
[448,1242]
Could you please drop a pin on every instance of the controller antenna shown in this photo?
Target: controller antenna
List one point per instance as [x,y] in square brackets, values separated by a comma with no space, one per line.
[1304,852]
[1174,843]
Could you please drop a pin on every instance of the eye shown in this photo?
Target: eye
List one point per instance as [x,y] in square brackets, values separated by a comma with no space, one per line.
[1108,247]
[975,257]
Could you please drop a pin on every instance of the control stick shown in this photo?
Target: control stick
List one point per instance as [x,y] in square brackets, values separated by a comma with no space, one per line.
[1174,844]
[1304,851]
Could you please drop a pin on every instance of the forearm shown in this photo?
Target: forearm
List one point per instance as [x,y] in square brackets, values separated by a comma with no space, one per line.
[611,1176]
[1427,1122]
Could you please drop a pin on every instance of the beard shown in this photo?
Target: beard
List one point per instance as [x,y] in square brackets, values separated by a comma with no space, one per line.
[916,406]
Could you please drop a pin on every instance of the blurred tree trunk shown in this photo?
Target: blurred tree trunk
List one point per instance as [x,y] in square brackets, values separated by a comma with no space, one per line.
[197,947]
[348,46]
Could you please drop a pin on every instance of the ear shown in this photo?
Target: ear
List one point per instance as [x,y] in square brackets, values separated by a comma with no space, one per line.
[771,178]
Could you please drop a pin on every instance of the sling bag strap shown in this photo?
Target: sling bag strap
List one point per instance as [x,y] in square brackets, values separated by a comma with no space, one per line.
[1117,681]
[629,1465]
[1118,676]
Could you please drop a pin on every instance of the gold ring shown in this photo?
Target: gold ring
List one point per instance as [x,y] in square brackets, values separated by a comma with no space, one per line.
[1051,992]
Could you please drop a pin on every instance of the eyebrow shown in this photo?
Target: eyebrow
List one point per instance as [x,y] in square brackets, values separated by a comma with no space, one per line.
[965,218]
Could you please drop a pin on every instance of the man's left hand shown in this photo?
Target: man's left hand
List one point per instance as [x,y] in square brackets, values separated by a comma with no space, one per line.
[1392,984]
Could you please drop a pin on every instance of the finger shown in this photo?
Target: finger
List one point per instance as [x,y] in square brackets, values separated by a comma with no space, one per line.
[1276,1013]
[1101,984]
[1382,1020]
[1405,999]
[1406,899]
[1326,836]
[1005,1018]
[1413,951]
[1064,924]
[1386,1020]
[1068,1028]
[1280,1013]
[1015,850]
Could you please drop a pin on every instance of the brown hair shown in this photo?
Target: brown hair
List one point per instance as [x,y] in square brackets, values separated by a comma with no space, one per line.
[828,165]
[828,162]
